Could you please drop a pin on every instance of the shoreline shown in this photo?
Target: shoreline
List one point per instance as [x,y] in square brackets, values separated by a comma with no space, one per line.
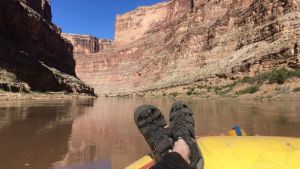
[276,97]
[7,96]
[290,96]
[253,98]
[280,84]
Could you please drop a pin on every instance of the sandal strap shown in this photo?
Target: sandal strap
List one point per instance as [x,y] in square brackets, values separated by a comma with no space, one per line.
[182,126]
[151,124]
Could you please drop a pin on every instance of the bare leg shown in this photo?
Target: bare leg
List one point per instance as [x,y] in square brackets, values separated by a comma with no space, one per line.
[182,148]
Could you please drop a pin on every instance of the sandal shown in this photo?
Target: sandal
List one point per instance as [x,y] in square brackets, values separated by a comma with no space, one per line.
[182,126]
[152,125]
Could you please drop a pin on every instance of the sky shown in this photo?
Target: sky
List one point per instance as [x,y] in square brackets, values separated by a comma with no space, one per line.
[93,17]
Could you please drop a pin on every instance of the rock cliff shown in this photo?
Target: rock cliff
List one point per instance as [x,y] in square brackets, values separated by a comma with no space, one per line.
[34,56]
[40,6]
[87,44]
[133,25]
[181,42]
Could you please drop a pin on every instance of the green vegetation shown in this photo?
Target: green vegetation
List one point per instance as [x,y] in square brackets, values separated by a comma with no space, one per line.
[209,88]
[174,94]
[217,89]
[224,89]
[200,87]
[190,91]
[297,89]
[248,90]
[275,76]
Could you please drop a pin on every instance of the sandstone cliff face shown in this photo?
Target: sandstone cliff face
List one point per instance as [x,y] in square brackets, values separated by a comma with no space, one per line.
[86,44]
[34,56]
[133,25]
[40,6]
[105,44]
[212,40]
[25,30]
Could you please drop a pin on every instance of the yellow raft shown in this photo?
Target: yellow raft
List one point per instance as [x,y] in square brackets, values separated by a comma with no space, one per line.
[247,152]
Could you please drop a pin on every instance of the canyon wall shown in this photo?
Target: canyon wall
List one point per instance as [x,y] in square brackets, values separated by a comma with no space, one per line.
[40,6]
[87,44]
[133,25]
[207,41]
[33,55]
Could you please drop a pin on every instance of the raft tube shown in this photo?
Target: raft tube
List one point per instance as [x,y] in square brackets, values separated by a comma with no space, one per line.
[247,152]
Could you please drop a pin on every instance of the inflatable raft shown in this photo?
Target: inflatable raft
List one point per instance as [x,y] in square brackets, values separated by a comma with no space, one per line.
[247,152]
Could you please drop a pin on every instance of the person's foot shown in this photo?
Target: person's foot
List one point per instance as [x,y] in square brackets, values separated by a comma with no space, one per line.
[182,148]
[152,125]
[182,126]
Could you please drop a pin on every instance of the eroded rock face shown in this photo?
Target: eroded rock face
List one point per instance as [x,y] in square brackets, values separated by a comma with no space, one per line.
[105,44]
[133,25]
[23,29]
[87,44]
[33,54]
[40,6]
[229,39]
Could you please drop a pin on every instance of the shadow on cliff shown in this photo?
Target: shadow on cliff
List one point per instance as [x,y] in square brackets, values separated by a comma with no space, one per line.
[31,71]
[23,29]
[33,52]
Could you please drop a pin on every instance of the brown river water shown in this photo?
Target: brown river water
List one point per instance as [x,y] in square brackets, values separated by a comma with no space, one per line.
[101,134]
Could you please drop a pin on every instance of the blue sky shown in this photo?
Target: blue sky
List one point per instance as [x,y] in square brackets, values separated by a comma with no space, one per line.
[94,17]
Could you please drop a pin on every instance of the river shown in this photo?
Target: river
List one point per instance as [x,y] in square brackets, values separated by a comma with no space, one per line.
[101,134]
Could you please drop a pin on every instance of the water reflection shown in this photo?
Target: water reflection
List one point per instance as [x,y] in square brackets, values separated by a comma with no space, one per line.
[34,135]
[101,134]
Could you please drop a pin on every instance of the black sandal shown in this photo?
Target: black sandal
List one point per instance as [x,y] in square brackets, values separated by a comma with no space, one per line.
[182,126]
[152,125]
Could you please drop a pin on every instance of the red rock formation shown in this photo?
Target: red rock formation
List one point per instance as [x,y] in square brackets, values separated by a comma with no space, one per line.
[24,29]
[87,44]
[32,52]
[105,44]
[40,6]
[133,25]
[157,47]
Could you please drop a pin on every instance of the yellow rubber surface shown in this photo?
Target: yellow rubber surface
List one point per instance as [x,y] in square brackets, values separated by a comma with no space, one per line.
[253,152]
[233,133]
[143,163]
[250,152]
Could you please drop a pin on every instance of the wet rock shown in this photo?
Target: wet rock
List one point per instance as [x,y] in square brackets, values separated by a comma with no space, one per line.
[13,87]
